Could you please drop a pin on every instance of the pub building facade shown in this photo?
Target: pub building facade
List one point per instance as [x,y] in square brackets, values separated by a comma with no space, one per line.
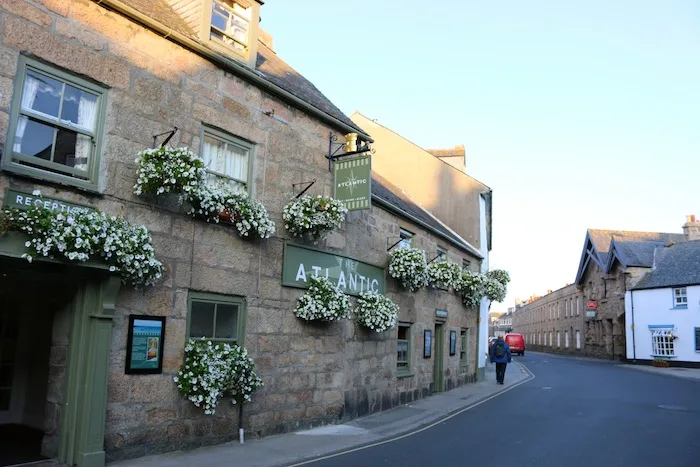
[84,87]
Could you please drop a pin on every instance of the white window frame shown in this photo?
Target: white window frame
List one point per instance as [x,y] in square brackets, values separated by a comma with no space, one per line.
[662,341]
[680,297]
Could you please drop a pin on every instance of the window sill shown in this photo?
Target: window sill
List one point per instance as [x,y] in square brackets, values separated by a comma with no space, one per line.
[663,356]
[49,177]
[404,375]
[681,307]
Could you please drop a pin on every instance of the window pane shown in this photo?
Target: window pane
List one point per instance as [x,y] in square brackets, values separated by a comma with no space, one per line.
[33,138]
[79,108]
[402,353]
[216,35]
[226,321]
[216,8]
[225,159]
[41,94]
[202,320]
[219,21]
[239,30]
[65,147]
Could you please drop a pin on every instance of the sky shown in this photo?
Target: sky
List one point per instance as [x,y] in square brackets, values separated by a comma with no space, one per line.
[577,114]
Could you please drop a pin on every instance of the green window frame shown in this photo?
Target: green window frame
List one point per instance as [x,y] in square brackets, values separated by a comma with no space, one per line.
[403,349]
[86,99]
[463,350]
[240,179]
[216,312]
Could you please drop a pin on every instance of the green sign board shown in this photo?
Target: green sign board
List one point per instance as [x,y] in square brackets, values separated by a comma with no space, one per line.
[23,201]
[349,275]
[352,182]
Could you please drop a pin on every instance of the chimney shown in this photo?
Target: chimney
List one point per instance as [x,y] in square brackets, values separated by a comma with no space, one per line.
[691,228]
[266,38]
[455,156]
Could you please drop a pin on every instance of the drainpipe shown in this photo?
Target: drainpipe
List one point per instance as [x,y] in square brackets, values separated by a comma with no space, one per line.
[634,331]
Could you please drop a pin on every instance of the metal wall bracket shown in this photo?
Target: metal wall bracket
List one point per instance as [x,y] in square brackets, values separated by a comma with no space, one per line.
[170,134]
[438,256]
[308,185]
[392,246]
[333,154]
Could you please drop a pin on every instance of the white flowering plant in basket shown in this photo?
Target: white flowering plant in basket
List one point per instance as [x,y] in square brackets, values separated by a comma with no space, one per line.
[499,275]
[212,371]
[168,170]
[214,203]
[410,267]
[376,311]
[313,215]
[83,234]
[444,273]
[322,301]
[471,288]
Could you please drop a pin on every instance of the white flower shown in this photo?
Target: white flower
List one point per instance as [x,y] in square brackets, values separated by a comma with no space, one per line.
[36,192]
[376,311]
[409,267]
[313,215]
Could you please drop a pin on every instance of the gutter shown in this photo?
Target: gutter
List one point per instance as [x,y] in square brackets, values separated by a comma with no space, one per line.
[227,64]
[404,214]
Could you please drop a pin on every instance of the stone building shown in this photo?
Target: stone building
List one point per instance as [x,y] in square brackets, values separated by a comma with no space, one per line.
[84,86]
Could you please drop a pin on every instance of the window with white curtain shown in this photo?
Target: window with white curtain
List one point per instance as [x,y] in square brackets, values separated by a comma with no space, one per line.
[230,23]
[55,125]
[578,339]
[227,160]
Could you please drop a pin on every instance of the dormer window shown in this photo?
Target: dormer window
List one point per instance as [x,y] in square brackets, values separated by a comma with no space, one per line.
[230,23]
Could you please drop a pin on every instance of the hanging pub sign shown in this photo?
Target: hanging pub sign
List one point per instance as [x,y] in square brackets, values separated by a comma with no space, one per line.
[23,201]
[352,182]
[349,275]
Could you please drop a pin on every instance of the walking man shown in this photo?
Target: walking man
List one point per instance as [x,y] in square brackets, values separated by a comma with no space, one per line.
[500,353]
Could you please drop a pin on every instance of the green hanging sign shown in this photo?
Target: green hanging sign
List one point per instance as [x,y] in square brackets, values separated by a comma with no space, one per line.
[352,182]
[23,201]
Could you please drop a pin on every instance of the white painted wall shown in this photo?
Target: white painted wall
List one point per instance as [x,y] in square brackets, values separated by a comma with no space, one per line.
[655,307]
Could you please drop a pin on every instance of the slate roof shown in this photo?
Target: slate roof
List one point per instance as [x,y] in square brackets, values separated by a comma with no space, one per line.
[394,196]
[601,239]
[268,65]
[677,265]
[639,254]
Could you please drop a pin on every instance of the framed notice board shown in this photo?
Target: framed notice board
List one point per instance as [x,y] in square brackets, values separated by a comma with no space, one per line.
[144,344]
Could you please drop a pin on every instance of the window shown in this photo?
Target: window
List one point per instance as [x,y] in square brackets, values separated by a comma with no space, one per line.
[558,339]
[680,297]
[578,306]
[216,317]
[230,23]
[550,338]
[403,349]
[55,127]
[697,339]
[566,339]
[441,253]
[228,160]
[578,339]
[662,341]
[406,239]
[466,264]
[463,350]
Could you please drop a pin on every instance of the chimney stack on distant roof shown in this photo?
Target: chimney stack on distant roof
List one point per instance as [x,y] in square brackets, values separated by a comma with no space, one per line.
[691,228]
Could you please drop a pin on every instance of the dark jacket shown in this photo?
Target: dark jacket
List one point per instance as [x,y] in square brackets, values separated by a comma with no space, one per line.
[492,355]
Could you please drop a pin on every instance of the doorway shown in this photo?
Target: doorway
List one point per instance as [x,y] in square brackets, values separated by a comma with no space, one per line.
[438,368]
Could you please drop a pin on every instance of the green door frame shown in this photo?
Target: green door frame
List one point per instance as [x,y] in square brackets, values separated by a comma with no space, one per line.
[82,426]
[438,368]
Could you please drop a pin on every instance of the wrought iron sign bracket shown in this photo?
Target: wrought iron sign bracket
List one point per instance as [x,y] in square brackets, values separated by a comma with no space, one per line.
[170,134]
[333,155]
[438,256]
[308,185]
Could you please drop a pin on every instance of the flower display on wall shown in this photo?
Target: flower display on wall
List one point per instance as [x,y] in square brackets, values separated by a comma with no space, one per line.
[471,288]
[168,170]
[84,234]
[496,285]
[409,267]
[212,371]
[444,274]
[322,301]
[313,215]
[376,311]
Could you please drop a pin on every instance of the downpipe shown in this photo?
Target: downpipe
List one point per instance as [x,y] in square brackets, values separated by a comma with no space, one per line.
[634,331]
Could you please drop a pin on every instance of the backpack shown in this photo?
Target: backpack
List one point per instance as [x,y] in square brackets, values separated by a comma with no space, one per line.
[499,350]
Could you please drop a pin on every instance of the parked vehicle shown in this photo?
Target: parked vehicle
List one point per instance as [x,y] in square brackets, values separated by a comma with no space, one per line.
[516,342]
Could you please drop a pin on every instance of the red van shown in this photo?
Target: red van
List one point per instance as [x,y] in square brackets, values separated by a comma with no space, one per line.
[516,342]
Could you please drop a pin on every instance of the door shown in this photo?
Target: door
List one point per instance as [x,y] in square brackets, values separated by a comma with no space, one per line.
[438,373]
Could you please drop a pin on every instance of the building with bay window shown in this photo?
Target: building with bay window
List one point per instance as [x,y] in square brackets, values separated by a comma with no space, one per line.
[87,360]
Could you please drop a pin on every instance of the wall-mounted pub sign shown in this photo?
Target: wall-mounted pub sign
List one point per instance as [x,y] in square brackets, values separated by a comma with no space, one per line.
[21,200]
[349,275]
[352,182]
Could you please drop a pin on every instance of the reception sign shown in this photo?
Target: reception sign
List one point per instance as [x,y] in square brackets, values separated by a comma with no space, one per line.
[349,275]
[144,346]
[21,200]
[352,182]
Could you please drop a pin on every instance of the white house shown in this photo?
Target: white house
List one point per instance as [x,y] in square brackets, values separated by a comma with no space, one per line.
[662,310]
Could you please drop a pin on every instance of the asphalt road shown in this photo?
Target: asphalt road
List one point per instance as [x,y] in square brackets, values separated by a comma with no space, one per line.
[574,413]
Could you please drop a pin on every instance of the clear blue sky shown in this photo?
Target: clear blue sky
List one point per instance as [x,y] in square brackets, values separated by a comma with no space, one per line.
[577,114]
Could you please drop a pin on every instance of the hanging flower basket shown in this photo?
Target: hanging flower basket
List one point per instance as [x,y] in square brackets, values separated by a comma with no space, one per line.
[409,267]
[168,170]
[376,312]
[471,287]
[313,215]
[84,234]
[322,302]
[212,371]
[444,274]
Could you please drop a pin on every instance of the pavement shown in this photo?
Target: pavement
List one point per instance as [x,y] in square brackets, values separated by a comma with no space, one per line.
[297,447]
[300,447]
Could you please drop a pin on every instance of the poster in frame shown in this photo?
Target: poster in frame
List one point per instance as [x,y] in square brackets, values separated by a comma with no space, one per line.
[427,343]
[453,343]
[144,344]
